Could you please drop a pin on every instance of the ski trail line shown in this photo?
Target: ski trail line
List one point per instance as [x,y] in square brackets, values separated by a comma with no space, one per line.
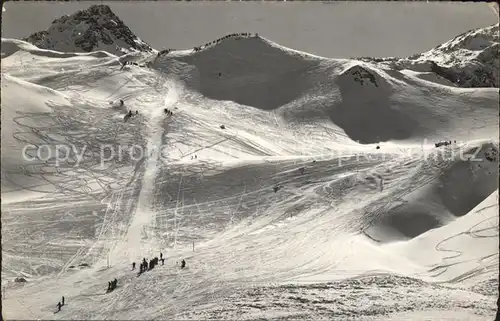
[140,241]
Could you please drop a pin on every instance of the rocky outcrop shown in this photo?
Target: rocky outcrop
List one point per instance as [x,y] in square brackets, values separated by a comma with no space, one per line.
[96,28]
[468,60]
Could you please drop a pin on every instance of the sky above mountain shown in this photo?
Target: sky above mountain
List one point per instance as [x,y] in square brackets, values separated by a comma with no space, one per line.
[337,30]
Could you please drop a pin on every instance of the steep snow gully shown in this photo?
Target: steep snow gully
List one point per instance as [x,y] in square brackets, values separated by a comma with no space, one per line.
[293,186]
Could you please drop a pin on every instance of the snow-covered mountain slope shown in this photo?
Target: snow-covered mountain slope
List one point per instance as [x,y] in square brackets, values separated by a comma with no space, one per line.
[249,71]
[462,253]
[368,103]
[23,107]
[468,60]
[12,46]
[279,213]
[93,29]
[444,187]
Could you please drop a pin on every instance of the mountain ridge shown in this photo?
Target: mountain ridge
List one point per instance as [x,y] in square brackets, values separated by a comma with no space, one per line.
[469,60]
[92,29]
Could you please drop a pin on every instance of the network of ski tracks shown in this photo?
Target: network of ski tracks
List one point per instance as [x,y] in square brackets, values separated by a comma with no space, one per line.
[96,127]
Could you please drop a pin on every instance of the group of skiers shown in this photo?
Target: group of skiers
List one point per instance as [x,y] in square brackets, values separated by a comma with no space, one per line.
[195,49]
[127,63]
[145,266]
[112,285]
[129,114]
[60,304]
[233,35]
[444,143]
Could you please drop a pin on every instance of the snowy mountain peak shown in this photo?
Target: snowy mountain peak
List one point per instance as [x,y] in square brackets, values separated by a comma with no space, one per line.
[473,40]
[96,28]
[468,60]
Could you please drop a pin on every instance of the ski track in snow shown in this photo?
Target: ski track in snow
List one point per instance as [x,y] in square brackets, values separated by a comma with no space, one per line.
[142,227]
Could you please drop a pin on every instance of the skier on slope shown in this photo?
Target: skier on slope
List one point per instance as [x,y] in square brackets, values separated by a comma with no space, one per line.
[127,116]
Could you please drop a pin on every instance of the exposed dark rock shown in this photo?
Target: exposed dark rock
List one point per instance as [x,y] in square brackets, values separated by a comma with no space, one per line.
[362,75]
[491,154]
[86,29]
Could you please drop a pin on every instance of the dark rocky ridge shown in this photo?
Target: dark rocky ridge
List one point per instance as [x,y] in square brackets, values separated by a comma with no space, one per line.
[102,26]
[470,60]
